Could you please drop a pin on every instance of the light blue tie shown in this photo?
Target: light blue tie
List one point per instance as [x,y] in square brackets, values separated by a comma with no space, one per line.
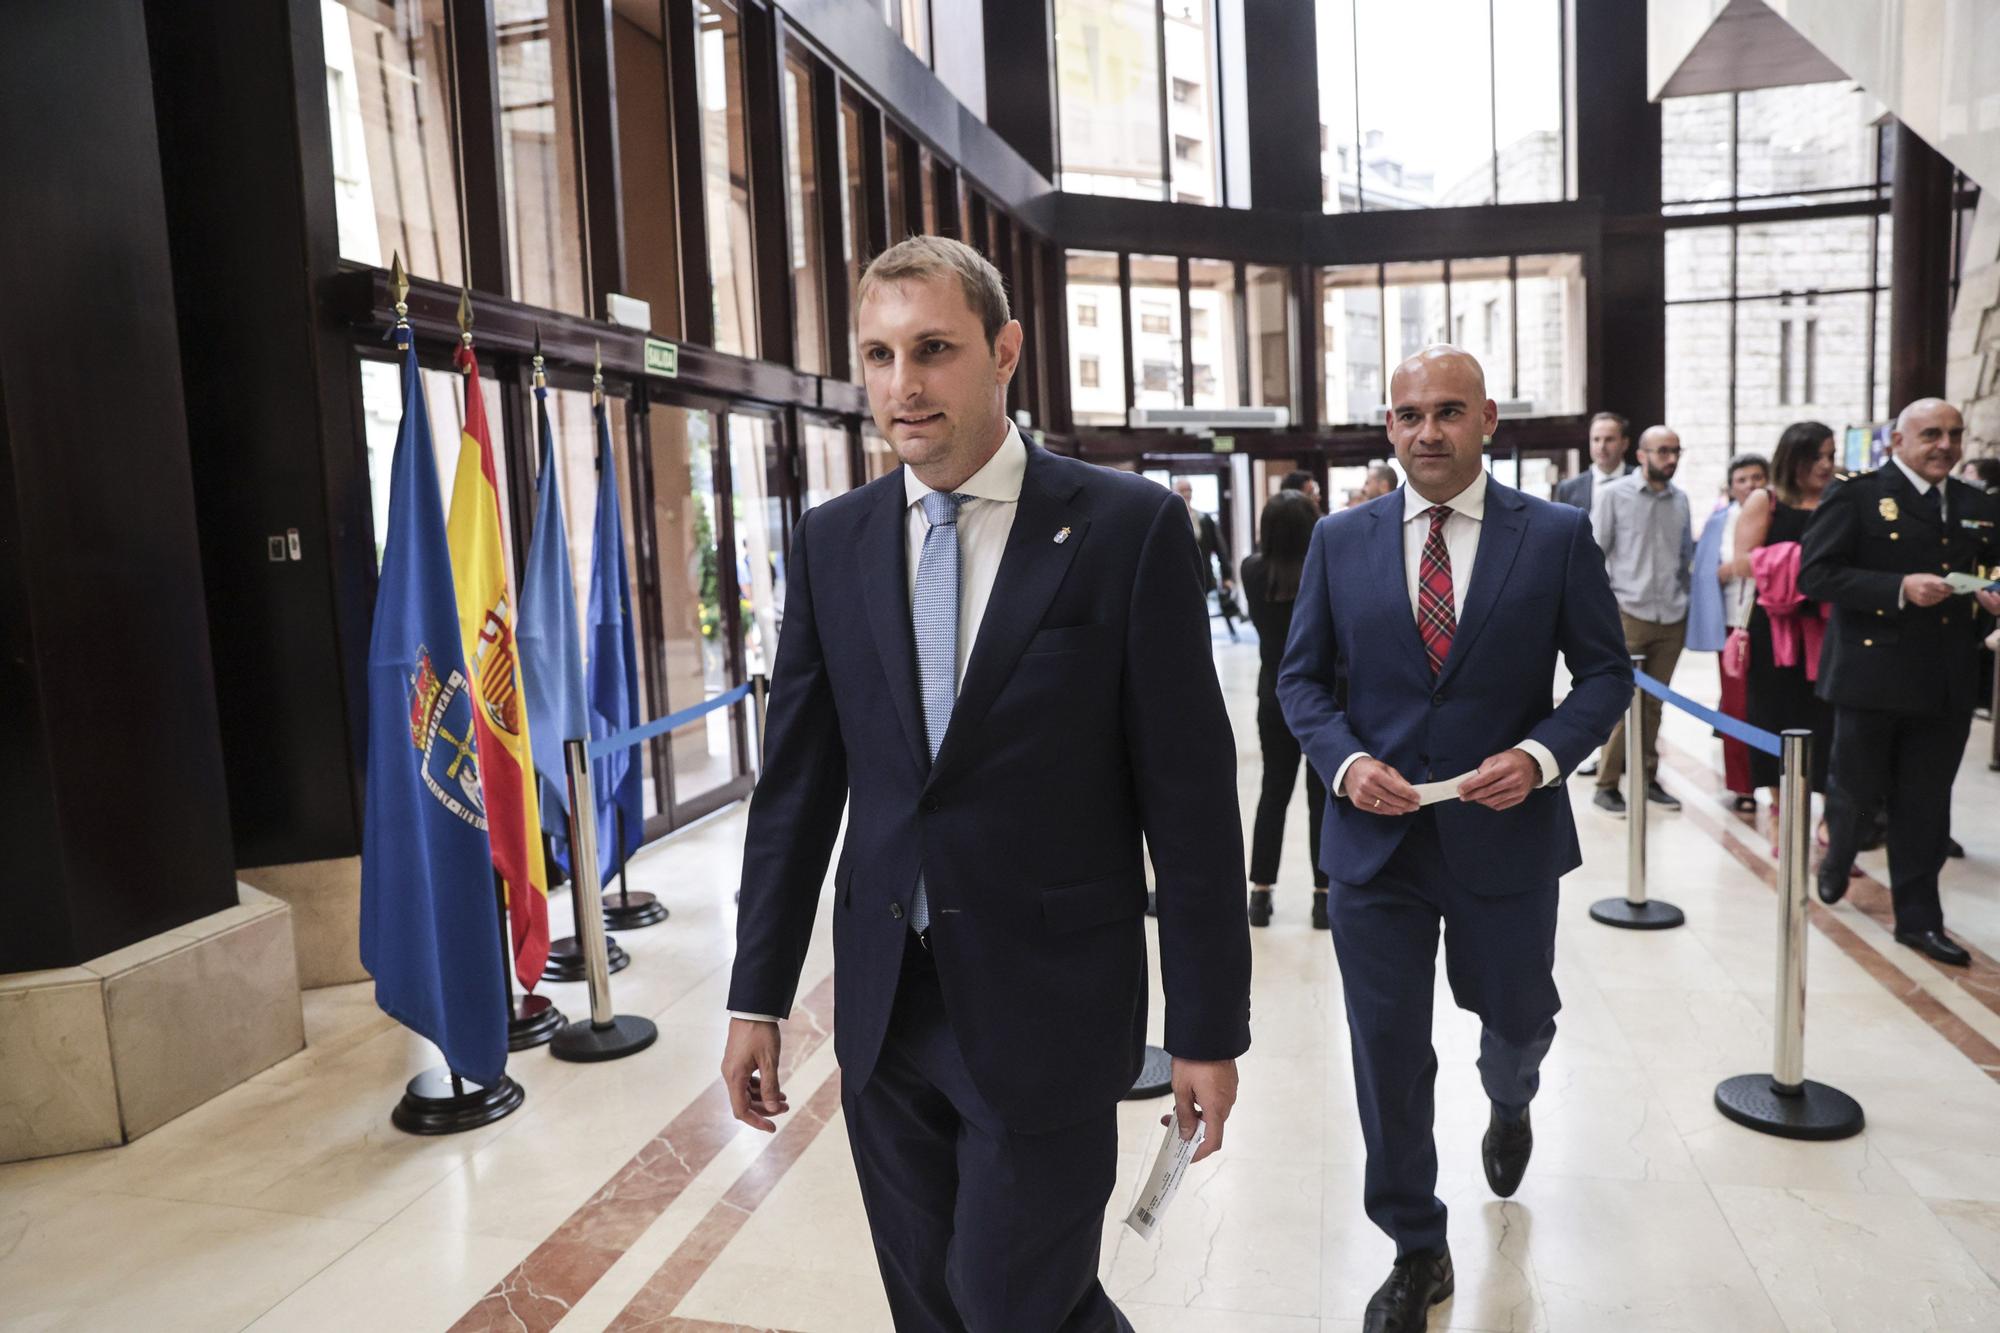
[934,616]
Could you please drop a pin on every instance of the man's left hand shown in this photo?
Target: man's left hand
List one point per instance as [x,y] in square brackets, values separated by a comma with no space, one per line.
[1503,781]
[1204,1091]
[1990,599]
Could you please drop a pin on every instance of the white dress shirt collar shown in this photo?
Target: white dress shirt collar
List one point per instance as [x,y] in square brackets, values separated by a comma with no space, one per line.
[1923,486]
[1470,502]
[1613,475]
[999,479]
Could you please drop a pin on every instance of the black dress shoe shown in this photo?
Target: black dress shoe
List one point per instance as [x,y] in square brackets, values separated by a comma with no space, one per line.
[1745,805]
[1609,800]
[1661,797]
[1403,1303]
[1505,1150]
[1935,944]
[1832,887]
[1260,907]
[1953,850]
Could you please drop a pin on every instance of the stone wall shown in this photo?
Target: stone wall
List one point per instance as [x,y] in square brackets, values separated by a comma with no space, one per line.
[1972,377]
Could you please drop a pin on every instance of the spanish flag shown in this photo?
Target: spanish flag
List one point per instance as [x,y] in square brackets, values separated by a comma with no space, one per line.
[486,624]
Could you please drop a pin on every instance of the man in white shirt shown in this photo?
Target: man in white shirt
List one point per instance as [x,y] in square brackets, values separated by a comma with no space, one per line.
[1448,603]
[997,662]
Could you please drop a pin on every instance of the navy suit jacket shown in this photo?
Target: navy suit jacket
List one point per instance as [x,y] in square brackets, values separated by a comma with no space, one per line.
[1538,588]
[1089,718]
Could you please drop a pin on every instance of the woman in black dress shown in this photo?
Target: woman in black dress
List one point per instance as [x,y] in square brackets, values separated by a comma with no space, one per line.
[1271,586]
[1780,697]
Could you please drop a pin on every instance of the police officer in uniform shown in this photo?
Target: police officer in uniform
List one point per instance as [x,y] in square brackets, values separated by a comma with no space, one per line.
[1901,659]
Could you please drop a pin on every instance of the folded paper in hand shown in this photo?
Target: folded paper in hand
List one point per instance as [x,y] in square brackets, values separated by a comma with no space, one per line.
[1157,1190]
[1969,583]
[1430,793]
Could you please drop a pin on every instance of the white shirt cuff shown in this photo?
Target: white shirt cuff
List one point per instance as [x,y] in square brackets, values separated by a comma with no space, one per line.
[1340,774]
[754,1018]
[1544,759]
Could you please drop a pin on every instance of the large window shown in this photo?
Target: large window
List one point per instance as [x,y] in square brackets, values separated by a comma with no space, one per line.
[1267,294]
[1156,331]
[1522,316]
[646,165]
[538,155]
[854,218]
[1212,332]
[725,160]
[910,20]
[1390,138]
[1109,98]
[802,205]
[388,100]
[1093,286]
[1771,322]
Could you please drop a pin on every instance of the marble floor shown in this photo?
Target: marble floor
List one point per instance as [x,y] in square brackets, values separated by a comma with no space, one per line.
[622,1197]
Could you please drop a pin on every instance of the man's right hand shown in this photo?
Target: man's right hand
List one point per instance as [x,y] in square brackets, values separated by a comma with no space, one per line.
[1375,788]
[1924,589]
[750,1072]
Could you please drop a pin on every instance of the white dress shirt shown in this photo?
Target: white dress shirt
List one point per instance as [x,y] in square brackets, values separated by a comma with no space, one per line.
[1461,545]
[985,518]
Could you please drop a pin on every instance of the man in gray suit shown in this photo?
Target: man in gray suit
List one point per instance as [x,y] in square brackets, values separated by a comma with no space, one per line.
[1609,434]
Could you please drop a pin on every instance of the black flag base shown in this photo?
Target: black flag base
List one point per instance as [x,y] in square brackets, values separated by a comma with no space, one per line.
[586,1043]
[535,1019]
[1156,1076]
[633,911]
[1810,1111]
[437,1102]
[1649,915]
[566,960]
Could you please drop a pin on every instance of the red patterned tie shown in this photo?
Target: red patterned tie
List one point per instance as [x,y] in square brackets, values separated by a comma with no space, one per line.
[1437,616]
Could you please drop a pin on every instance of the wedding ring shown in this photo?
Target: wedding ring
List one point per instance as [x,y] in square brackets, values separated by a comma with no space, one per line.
[1378,802]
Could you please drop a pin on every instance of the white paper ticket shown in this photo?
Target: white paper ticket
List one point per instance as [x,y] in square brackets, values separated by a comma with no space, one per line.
[1157,1190]
[1430,793]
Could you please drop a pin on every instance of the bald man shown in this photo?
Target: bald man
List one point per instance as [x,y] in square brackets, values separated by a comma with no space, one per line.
[1901,661]
[1448,600]
[1643,523]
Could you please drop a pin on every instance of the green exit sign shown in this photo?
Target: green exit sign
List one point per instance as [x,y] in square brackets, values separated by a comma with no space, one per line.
[1223,444]
[662,358]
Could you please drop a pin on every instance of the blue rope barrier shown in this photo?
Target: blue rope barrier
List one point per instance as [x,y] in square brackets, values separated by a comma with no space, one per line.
[1754,737]
[625,740]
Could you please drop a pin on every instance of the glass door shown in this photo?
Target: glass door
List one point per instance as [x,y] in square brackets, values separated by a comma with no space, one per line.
[760,507]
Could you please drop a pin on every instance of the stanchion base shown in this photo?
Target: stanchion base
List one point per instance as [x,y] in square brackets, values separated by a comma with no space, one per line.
[1650,915]
[1156,1076]
[632,911]
[585,1043]
[566,960]
[1815,1111]
[535,1019]
[429,1105]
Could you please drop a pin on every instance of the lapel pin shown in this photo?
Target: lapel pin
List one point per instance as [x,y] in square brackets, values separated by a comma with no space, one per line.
[1062,536]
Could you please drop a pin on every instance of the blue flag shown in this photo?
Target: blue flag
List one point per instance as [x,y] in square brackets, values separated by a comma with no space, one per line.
[551,652]
[614,668]
[430,925]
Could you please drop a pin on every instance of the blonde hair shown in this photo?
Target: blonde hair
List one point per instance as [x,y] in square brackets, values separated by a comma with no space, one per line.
[921,258]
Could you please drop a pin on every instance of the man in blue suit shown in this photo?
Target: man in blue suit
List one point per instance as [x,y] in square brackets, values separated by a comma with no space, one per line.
[1446,604]
[998,661]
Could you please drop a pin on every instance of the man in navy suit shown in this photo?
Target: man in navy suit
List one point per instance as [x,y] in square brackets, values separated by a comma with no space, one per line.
[1446,604]
[998,661]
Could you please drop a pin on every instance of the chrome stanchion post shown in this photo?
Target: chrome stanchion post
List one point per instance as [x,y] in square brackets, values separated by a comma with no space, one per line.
[606,1036]
[1635,911]
[760,688]
[1785,1102]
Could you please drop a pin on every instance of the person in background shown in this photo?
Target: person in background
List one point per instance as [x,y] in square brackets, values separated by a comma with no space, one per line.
[1213,552]
[1356,498]
[1902,656]
[1983,473]
[1381,481]
[1271,586]
[1304,483]
[1641,522]
[1609,437]
[1779,695]
[1719,610]
[1610,434]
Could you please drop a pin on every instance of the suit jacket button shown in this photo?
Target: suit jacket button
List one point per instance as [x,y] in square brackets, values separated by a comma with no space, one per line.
[896,911]
[1868,643]
[930,805]
[1437,701]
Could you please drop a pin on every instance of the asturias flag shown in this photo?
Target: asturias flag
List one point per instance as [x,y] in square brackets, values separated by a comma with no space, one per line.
[486,626]
[614,668]
[429,932]
[551,649]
